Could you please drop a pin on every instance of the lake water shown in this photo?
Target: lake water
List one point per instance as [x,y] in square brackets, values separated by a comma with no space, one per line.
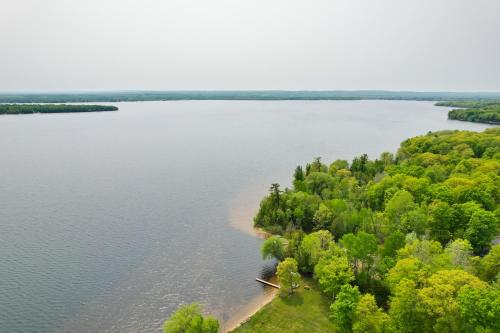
[109,221]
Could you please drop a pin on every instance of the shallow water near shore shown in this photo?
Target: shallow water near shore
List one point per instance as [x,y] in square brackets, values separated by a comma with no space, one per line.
[110,221]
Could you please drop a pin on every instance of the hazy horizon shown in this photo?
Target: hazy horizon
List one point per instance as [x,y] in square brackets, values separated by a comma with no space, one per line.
[76,46]
[91,91]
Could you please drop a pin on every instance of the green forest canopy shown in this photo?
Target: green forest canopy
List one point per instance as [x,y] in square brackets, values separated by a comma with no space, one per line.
[413,234]
[483,111]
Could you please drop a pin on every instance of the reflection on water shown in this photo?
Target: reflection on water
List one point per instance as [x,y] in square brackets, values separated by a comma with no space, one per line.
[110,221]
[267,272]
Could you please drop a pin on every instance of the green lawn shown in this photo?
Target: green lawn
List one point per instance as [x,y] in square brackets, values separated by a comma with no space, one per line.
[305,311]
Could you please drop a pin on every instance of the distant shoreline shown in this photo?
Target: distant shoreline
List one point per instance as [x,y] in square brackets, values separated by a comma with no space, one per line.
[262,95]
[6,109]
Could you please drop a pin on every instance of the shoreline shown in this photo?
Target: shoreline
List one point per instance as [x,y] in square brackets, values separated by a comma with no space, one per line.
[254,306]
[243,207]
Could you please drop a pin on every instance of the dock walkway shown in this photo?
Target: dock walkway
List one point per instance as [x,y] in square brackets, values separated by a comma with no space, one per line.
[268,283]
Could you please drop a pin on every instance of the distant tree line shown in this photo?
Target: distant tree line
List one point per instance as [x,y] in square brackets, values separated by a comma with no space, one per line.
[123,96]
[52,108]
[475,111]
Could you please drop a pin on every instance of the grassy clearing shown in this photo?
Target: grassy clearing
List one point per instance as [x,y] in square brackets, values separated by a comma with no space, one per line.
[305,311]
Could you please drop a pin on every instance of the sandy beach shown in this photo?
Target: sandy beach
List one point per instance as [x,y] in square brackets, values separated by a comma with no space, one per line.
[243,208]
[249,310]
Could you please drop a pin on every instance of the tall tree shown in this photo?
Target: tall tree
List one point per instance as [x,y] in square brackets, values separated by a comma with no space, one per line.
[369,317]
[361,249]
[402,308]
[288,275]
[275,193]
[332,272]
[273,247]
[343,310]
[481,230]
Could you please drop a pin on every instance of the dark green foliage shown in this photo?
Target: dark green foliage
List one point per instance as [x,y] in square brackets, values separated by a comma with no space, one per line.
[52,108]
[477,112]
[489,267]
[364,169]
[481,230]
[480,111]
[470,104]
[392,243]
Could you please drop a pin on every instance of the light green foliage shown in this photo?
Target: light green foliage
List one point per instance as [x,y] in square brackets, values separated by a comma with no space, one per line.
[426,251]
[325,237]
[312,247]
[288,275]
[402,307]
[399,205]
[437,301]
[317,182]
[338,165]
[480,309]
[323,217]
[316,166]
[360,248]
[369,317]
[409,269]
[210,325]
[310,251]
[332,272]
[188,319]
[387,158]
[273,248]
[343,310]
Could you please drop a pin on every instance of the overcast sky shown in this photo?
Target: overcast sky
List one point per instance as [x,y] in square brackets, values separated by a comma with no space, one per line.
[255,44]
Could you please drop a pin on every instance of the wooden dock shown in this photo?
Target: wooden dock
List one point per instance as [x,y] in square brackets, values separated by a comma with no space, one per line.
[268,283]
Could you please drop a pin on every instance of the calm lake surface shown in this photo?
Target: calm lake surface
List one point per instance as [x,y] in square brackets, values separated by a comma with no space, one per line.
[109,221]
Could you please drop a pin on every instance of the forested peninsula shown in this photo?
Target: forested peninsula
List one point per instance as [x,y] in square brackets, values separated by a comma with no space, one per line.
[475,111]
[402,243]
[52,108]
